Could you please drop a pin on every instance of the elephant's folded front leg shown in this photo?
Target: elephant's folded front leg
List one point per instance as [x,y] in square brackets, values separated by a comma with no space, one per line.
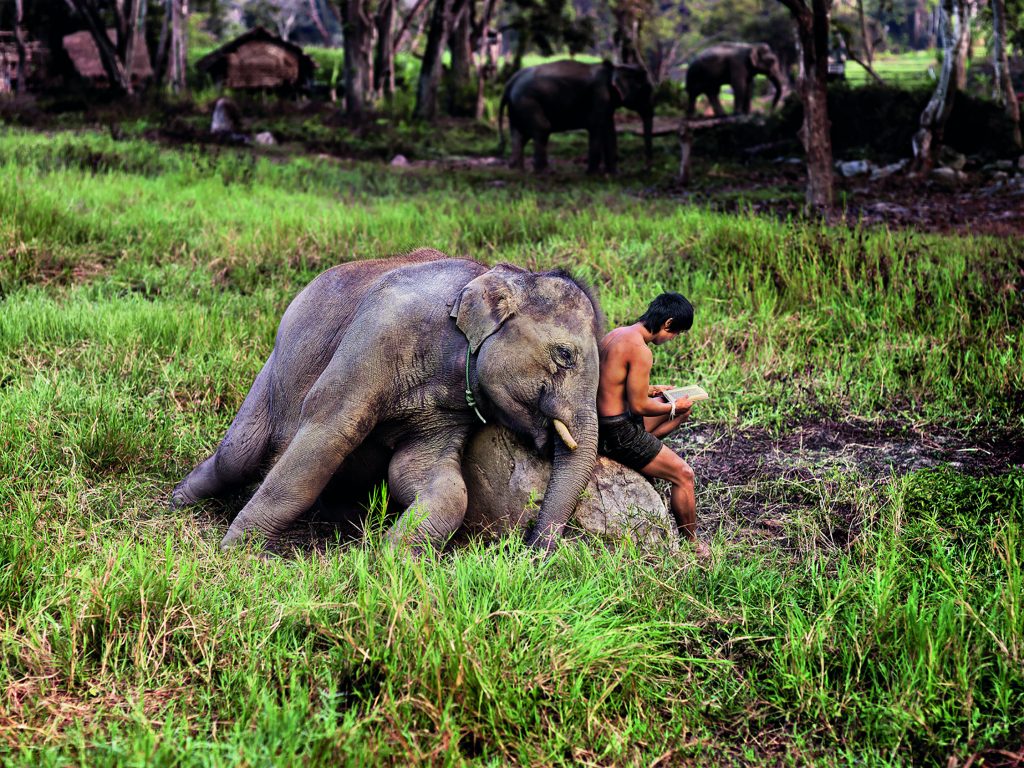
[426,478]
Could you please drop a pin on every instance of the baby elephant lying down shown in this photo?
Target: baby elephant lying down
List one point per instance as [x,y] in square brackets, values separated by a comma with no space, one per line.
[400,360]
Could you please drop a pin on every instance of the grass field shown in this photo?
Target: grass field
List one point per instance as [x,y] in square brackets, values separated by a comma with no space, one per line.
[140,289]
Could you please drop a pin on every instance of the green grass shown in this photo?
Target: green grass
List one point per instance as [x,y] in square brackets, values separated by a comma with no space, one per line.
[140,289]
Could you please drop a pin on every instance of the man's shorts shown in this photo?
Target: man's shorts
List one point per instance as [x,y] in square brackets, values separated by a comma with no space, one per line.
[624,439]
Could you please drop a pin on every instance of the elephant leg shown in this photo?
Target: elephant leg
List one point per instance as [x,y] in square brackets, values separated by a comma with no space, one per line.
[540,151]
[595,150]
[715,103]
[240,455]
[331,426]
[426,477]
[741,94]
[518,142]
[691,104]
[611,148]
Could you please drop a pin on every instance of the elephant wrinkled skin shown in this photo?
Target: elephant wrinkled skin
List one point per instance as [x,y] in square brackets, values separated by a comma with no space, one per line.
[567,96]
[734,64]
[505,480]
[369,369]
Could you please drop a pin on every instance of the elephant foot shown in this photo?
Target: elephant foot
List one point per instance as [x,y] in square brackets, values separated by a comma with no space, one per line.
[180,497]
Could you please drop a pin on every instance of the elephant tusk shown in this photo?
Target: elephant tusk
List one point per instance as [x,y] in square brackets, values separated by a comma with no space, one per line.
[563,432]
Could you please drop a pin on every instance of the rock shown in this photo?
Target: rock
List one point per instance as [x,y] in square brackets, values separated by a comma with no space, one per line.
[266,138]
[505,483]
[949,177]
[998,166]
[854,168]
[226,117]
[888,210]
[950,158]
[399,161]
[888,170]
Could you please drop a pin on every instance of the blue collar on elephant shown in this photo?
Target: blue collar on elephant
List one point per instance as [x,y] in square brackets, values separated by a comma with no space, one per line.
[470,400]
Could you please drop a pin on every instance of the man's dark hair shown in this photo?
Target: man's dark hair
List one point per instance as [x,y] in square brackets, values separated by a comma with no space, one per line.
[672,306]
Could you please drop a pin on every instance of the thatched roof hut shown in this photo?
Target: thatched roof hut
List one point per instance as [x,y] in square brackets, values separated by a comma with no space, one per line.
[258,59]
[85,56]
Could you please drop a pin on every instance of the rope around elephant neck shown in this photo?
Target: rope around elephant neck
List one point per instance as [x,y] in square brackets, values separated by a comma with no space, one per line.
[470,400]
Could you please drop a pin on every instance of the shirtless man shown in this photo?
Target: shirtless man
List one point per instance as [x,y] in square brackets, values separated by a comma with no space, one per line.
[631,415]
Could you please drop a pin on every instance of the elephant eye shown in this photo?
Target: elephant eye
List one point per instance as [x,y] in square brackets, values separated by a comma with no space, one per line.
[564,357]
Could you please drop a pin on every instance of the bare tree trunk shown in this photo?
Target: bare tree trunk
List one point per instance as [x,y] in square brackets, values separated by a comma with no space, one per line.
[460,74]
[136,26]
[928,138]
[1001,68]
[357,31]
[685,151]
[430,71]
[384,58]
[867,42]
[812,34]
[113,65]
[962,52]
[179,44]
[318,21]
[163,46]
[403,31]
[487,66]
[19,42]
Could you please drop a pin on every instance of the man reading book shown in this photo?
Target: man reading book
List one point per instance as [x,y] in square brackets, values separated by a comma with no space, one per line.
[632,417]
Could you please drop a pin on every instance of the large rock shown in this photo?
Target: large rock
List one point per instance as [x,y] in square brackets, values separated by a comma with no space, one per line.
[505,482]
[226,117]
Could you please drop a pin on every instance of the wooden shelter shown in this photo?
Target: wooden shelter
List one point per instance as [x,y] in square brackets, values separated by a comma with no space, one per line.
[258,59]
[85,57]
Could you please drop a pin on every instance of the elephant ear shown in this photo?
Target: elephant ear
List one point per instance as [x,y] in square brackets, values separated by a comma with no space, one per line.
[487,302]
[759,56]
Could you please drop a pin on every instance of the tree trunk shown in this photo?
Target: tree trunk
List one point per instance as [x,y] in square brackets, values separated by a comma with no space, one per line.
[962,51]
[384,58]
[179,44]
[928,138]
[19,42]
[136,25]
[163,46]
[113,65]
[356,31]
[460,75]
[685,134]
[318,21]
[407,22]
[812,34]
[430,70]
[1004,93]
[487,65]
[866,41]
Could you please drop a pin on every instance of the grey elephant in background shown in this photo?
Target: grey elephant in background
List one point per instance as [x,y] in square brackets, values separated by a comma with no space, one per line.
[394,363]
[569,95]
[734,64]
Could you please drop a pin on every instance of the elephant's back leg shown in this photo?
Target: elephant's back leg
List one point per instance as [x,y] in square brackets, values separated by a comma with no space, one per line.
[241,455]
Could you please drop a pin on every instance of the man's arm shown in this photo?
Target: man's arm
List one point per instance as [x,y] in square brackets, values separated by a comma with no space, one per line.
[638,384]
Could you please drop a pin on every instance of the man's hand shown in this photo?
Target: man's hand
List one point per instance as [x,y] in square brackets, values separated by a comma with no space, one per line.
[683,406]
[656,389]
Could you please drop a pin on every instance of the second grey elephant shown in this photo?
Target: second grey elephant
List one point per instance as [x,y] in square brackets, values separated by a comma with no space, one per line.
[736,65]
[391,364]
[569,95]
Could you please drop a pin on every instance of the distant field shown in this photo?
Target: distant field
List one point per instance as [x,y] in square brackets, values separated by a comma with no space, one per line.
[854,613]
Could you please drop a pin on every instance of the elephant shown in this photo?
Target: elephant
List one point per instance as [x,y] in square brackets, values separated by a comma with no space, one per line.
[736,64]
[395,363]
[569,95]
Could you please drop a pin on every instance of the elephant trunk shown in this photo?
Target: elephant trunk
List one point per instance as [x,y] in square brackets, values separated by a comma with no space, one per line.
[570,473]
[775,77]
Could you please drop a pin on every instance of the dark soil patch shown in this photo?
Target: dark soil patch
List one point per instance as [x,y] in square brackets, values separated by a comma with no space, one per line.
[808,487]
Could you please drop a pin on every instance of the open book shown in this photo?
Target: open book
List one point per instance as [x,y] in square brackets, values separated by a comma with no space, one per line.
[692,392]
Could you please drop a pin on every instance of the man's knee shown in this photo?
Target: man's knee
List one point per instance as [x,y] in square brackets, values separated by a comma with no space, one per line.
[683,472]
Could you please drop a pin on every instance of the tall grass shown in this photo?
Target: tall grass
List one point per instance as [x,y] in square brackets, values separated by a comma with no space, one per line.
[140,293]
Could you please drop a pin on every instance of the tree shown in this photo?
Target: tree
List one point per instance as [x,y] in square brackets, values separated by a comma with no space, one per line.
[357,33]
[441,18]
[954,18]
[19,41]
[812,26]
[113,55]
[1004,93]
